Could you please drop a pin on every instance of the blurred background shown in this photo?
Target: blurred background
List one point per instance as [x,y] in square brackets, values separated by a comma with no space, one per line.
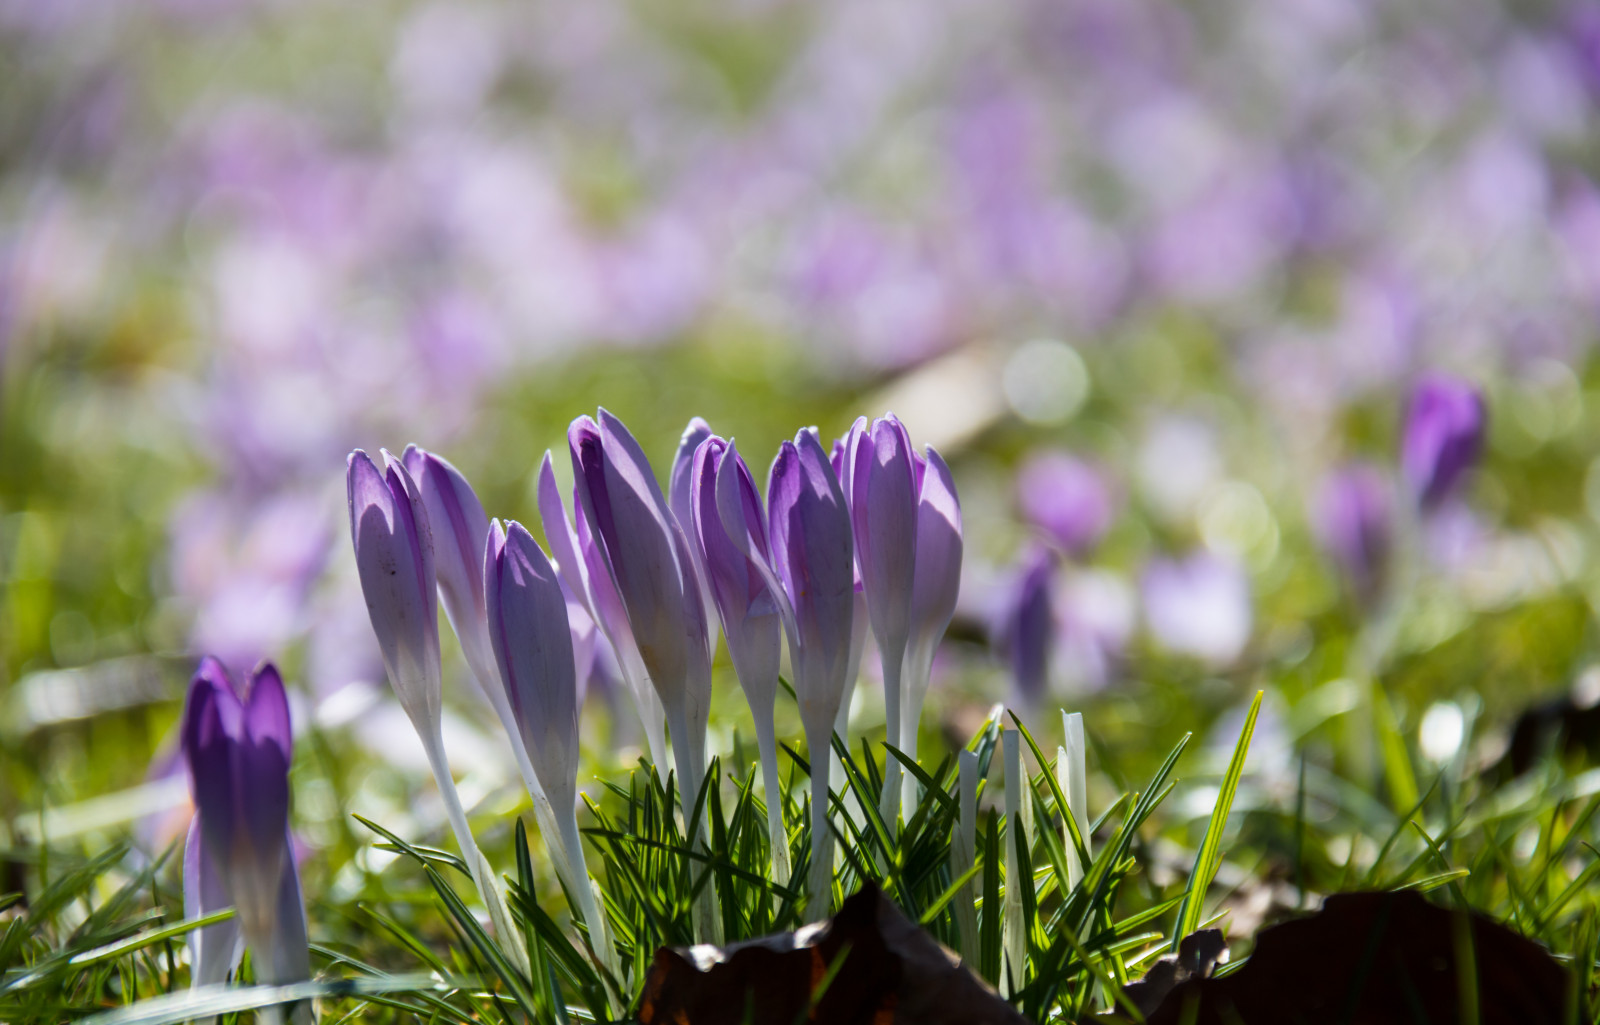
[1153,275]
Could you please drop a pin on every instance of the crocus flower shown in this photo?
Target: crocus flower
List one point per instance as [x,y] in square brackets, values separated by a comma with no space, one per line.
[883,513]
[394,557]
[238,753]
[460,530]
[532,641]
[1444,430]
[581,566]
[808,526]
[1065,497]
[1027,627]
[746,606]
[681,502]
[1353,521]
[646,556]
[936,584]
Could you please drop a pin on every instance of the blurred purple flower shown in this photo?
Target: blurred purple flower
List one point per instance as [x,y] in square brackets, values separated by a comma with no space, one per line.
[1198,606]
[1067,498]
[1353,520]
[1027,627]
[1444,429]
[238,753]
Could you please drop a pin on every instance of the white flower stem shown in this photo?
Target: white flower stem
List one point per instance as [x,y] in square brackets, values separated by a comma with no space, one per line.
[582,888]
[889,801]
[919,665]
[772,786]
[820,901]
[482,874]
[688,752]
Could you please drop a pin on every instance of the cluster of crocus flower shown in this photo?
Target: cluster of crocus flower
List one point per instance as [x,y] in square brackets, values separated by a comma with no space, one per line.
[239,853]
[648,568]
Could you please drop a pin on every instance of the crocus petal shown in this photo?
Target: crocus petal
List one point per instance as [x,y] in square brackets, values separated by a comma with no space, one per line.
[264,756]
[883,511]
[458,525]
[628,518]
[1444,431]
[559,533]
[1028,627]
[936,582]
[1067,498]
[747,608]
[287,958]
[532,643]
[215,950]
[682,505]
[394,556]
[1353,520]
[813,553]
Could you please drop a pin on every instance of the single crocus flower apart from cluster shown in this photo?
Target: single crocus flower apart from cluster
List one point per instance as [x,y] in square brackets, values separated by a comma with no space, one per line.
[1353,521]
[1444,430]
[238,752]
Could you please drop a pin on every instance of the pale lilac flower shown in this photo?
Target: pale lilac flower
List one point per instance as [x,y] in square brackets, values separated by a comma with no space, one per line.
[747,607]
[936,586]
[532,640]
[813,556]
[1198,606]
[587,579]
[1353,520]
[883,513]
[1067,498]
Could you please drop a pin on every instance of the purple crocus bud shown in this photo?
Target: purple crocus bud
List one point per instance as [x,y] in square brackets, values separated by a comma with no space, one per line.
[1027,628]
[394,556]
[646,556]
[745,604]
[238,754]
[681,502]
[582,568]
[629,519]
[814,555]
[883,514]
[1354,522]
[1444,431]
[1066,498]
[532,642]
[936,584]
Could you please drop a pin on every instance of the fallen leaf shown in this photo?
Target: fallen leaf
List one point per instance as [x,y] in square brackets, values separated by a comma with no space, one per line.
[886,970]
[1379,959]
